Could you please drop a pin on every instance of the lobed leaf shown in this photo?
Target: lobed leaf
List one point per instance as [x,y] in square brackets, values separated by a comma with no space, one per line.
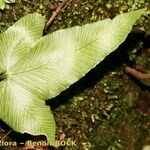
[34,69]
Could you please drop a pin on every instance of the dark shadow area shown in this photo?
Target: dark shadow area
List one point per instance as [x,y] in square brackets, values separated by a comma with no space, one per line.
[110,63]
[146,42]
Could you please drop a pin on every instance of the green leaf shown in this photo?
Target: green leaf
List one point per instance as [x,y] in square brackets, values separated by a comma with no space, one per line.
[33,70]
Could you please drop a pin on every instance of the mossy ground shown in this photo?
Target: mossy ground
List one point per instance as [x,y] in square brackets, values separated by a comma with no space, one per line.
[107,109]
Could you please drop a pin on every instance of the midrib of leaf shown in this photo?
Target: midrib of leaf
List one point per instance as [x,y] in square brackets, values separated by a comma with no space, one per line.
[30,70]
[46,64]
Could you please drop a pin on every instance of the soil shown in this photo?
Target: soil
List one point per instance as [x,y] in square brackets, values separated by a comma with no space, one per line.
[107,109]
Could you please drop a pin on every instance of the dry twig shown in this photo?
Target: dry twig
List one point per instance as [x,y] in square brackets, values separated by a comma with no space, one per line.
[61,7]
[3,138]
[137,74]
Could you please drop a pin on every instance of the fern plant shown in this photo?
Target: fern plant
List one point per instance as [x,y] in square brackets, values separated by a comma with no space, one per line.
[34,69]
